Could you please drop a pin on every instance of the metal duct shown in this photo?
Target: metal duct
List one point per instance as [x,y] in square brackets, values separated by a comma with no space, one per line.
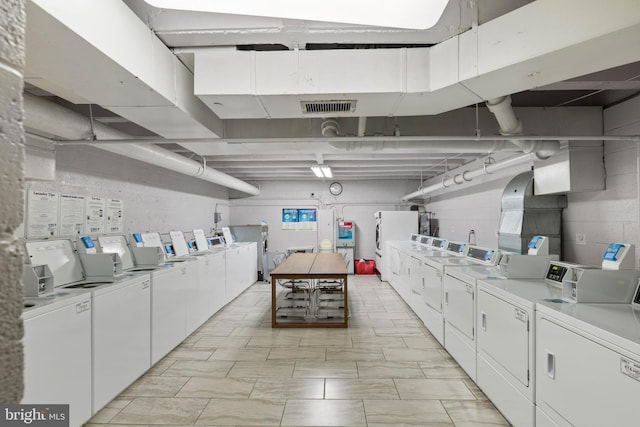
[54,119]
[524,215]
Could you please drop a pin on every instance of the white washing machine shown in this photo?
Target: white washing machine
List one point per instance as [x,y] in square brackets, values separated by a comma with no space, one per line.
[57,353]
[120,317]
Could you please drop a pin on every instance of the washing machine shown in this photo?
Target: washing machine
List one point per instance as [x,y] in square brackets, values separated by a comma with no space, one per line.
[120,316]
[57,352]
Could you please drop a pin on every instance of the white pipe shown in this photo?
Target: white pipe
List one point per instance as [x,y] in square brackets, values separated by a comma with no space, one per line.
[362,125]
[510,125]
[54,119]
[468,175]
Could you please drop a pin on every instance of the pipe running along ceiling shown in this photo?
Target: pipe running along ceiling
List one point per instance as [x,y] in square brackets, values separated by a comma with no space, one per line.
[236,89]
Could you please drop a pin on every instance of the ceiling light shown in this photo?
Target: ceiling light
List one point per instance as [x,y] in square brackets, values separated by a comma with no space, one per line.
[322,171]
[410,14]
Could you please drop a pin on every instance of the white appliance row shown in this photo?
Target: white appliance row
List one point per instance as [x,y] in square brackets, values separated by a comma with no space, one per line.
[88,336]
[550,343]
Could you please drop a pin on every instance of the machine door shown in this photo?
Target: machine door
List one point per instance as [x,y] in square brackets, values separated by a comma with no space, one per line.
[582,382]
[378,240]
[504,336]
[458,305]
[432,292]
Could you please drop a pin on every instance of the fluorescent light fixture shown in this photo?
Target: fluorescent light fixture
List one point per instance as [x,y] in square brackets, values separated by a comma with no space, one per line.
[322,171]
[410,14]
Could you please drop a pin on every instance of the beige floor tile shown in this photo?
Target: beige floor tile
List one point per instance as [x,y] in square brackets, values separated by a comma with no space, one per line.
[160,367]
[444,372]
[389,370]
[105,415]
[172,411]
[474,414]
[241,354]
[250,331]
[412,355]
[373,323]
[372,341]
[154,386]
[190,354]
[324,413]
[269,368]
[474,389]
[288,388]
[274,341]
[297,353]
[325,369]
[427,341]
[212,329]
[342,341]
[250,412]
[354,354]
[400,332]
[218,388]
[346,388]
[406,412]
[221,342]
[394,315]
[203,368]
[433,389]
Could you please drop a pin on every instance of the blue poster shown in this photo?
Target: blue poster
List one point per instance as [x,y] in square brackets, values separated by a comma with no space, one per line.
[299,219]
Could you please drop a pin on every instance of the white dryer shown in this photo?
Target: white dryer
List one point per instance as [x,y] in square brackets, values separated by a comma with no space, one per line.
[587,364]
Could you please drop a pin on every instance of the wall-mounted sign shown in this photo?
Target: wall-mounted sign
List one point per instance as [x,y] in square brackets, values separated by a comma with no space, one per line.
[95,208]
[42,214]
[299,219]
[115,210]
[71,214]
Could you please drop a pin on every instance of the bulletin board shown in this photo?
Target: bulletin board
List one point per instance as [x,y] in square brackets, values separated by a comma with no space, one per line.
[299,219]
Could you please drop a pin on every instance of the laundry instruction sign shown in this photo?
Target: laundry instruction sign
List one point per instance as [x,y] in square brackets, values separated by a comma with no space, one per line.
[299,219]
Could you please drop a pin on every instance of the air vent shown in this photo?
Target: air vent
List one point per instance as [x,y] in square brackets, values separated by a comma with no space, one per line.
[311,107]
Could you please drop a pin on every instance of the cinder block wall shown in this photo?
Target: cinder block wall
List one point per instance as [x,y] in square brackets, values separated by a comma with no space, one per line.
[12,34]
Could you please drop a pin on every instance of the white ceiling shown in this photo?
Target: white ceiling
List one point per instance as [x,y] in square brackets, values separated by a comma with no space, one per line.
[242,78]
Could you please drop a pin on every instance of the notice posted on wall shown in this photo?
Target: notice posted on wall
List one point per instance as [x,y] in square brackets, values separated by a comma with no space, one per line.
[71,214]
[94,220]
[42,214]
[115,208]
[299,219]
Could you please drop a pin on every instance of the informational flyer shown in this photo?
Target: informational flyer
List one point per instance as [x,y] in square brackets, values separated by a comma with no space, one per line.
[289,219]
[42,214]
[307,220]
[94,220]
[299,219]
[115,208]
[71,214]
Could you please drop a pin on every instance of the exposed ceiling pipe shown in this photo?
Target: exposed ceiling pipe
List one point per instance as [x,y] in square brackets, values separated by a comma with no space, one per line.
[468,175]
[510,125]
[53,119]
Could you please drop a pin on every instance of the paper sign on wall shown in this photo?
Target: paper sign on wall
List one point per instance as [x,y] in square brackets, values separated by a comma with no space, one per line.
[95,208]
[42,214]
[115,209]
[71,214]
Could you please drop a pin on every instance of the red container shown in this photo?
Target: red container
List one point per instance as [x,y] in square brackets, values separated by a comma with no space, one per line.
[367,266]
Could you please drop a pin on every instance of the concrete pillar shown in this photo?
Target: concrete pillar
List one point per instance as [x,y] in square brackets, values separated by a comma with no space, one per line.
[12,57]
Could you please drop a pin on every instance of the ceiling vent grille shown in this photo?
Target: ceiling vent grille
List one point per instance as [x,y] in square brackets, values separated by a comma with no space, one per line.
[315,107]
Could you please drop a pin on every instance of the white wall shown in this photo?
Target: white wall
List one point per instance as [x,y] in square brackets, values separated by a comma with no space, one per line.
[358,202]
[154,199]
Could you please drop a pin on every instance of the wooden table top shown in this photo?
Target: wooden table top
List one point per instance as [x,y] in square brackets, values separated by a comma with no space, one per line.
[312,264]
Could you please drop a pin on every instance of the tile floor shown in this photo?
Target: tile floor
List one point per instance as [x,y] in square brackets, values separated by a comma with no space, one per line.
[235,370]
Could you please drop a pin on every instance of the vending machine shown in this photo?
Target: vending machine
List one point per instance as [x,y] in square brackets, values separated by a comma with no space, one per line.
[346,242]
